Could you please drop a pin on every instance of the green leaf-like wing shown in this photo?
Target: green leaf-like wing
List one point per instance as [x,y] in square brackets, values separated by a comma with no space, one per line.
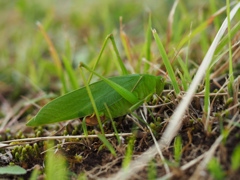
[77,104]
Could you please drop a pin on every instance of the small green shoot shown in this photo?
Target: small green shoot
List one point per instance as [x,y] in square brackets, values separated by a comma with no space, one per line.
[34,174]
[166,62]
[184,83]
[113,124]
[148,43]
[184,68]
[70,72]
[231,83]
[152,170]
[129,152]
[84,127]
[55,165]
[125,43]
[225,40]
[215,169]
[177,149]
[82,176]
[213,10]
[235,158]
[206,98]
[55,57]
[107,144]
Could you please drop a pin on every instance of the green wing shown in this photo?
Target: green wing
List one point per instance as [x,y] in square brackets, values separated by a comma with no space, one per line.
[77,104]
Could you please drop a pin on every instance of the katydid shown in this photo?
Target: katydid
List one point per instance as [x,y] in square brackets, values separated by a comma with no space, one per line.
[77,104]
[120,94]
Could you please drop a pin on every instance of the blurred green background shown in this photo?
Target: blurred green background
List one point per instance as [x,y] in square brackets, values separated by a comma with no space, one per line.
[78,29]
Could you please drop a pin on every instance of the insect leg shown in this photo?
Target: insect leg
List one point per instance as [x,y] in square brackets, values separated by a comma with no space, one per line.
[129,96]
[110,36]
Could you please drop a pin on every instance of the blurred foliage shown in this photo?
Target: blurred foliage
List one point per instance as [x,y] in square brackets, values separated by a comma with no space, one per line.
[25,62]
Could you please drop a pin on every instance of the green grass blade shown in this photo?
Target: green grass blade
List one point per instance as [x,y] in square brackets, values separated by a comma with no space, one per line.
[187,53]
[148,43]
[184,67]
[55,165]
[184,83]
[124,70]
[196,31]
[34,174]
[207,91]
[62,78]
[107,144]
[204,42]
[136,116]
[215,169]
[125,42]
[113,124]
[177,149]
[213,10]
[152,170]
[206,97]
[224,41]
[82,176]
[84,127]
[128,154]
[70,72]
[166,61]
[120,63]
[116,61]
[92,100]
[150,112]
[235,158]
[55,57]
[230,85]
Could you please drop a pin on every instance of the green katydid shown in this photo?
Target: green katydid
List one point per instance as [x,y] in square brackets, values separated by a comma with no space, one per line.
[120,94]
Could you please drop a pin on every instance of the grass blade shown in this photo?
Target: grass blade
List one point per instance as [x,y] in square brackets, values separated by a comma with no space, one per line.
[124,70]
[70,72]
[215,169]
[107,144]
[224,41]
[231,83]
[235,159]
[166,61]
[84,127]
[213,10]
[55,165]
[148,43]
[184,83]
[185,69]
[206,98]
[152,170]
[128,154]
[113,124]
[177,149]
[55,57]
[125,42]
